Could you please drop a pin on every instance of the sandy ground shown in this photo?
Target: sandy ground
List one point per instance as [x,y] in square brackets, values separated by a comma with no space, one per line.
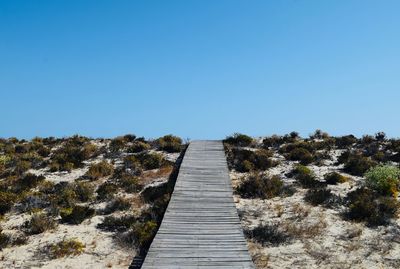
[324,239]
[101,248]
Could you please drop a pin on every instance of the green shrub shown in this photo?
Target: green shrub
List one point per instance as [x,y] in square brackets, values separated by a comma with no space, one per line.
[129,183]
[29,181]
[143,233]
[267,235]
[319,134]
[169,143]
[106,191]
[385,179]
[318,196]
[84,191]
[118,204]
[239,140]
[77,214]
[39,223]
[90,150]
[365,205]
[99,170]
[5,240]
[21,167]
[273,141]
[357,164]
[333,178]
[305,176]
[138,146]
[70,156]
[302,155]
[66,247]
[7,200]
[121,223]
[243,160]
[64,194]
[132,163]
[117,144]
[260,186]
[150,160]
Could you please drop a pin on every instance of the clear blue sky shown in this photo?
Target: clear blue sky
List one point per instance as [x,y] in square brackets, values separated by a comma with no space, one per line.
[198,69]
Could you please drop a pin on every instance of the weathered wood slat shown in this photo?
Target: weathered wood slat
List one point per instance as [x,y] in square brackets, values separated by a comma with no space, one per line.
[201,228]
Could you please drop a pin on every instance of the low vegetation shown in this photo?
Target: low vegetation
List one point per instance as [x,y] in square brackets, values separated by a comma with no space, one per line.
[261,186]
[66,247]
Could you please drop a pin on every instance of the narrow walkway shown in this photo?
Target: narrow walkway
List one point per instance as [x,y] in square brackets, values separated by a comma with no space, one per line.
[201,228]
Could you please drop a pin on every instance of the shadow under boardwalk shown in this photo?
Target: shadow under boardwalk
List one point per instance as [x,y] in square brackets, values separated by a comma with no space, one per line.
[201,228]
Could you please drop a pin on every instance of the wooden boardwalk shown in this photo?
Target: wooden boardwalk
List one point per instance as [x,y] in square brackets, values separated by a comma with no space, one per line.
[201,228]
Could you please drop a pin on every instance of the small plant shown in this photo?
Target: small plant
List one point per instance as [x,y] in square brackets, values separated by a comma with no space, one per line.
[143,233]
[118,204]
[357,164]
[305,176]
[365,205]
[267,235]
[29,181]
[169,143]
[84,191]
[5,240]
[334,178]
[260,186]
[385,179]
[122,223]
[239,140]
[7,200]
[129,183]
[66,247]
[99,170]
[318,196]
[150,160]
[345,141]
[244,160]
[138,146]
[133,164]
[77,214]
[106,190]
[39,223]
[302,155]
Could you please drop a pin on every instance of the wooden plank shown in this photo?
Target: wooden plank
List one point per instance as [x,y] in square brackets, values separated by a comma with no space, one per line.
[201,228]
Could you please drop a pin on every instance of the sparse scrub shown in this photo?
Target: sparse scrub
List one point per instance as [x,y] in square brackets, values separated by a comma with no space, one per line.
[365,205]
[77,214]
[244,160]
[318,196]
[138,146]
[239,140]
[122,223]
[385,179]
[260,186]
[7,200]
[29,181]
[169,143]
[106,190]
[129,183]
[305,177]
[99,170]
[118,204]
[39,223]
[267,235]
[302,155]
[133,164]
[84,191]
[345,141]
[66,247]
[334,178]
[150,160]
[357,164]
